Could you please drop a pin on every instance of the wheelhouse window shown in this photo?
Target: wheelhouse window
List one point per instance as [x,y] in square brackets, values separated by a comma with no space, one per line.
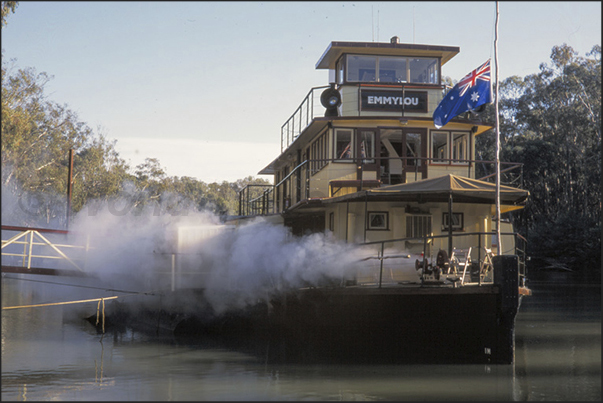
[343,144]
[362,68]
[424,70]
[392,70]
[449,147]
[389,69]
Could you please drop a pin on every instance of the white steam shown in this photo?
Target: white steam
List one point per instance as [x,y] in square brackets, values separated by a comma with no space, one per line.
[237,266]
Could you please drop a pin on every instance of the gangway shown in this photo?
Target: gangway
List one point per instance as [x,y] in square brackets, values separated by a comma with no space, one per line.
[35,250]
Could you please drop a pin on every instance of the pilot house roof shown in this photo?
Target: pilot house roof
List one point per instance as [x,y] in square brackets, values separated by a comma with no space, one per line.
[336,49]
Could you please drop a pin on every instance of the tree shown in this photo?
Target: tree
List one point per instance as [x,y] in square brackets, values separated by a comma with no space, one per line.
[37,135]
[551,122]
[7,8]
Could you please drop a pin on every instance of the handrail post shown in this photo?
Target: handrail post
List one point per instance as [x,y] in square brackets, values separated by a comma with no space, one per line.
[31,236]
[173,272]
[23,264]
[381,264]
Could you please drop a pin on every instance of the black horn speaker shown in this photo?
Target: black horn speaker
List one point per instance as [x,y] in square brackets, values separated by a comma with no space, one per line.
[330,99]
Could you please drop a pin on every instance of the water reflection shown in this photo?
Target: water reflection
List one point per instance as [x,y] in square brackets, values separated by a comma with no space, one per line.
[52,354]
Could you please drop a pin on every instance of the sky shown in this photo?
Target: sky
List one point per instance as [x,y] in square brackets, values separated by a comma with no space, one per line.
[205,87]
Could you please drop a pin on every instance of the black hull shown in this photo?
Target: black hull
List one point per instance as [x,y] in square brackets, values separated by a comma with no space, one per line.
[360,324]
[394,326]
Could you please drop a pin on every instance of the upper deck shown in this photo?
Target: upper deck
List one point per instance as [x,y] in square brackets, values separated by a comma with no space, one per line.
[373,124]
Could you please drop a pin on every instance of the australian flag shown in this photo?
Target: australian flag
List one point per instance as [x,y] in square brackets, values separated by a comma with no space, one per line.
[471,92]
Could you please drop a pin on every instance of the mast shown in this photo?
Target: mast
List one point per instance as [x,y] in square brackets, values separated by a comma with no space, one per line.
[498,243]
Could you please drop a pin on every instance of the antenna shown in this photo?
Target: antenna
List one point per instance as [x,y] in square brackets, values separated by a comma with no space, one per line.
[377,25]
[373,23]
[413,24]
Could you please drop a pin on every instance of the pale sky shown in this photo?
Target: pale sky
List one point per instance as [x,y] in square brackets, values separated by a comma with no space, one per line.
[205,87]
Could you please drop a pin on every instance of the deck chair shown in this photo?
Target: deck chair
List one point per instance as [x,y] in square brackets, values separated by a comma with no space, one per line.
[460,259]
[486,267]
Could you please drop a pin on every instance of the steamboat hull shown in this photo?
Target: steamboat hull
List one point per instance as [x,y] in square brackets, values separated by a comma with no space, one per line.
[430,324]
[406,325]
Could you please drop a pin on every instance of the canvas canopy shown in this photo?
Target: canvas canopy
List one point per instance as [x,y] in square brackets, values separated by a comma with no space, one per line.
[439,189]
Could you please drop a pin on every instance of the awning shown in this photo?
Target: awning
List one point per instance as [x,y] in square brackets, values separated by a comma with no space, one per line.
[439,189]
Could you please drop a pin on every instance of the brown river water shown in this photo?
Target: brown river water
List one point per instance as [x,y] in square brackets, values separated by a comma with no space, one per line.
[52,353]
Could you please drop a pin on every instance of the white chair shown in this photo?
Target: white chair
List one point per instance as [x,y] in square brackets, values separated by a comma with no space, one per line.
[461,259]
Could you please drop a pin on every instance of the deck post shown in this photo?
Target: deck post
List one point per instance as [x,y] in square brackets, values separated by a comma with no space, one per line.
[381,265]
[450,224]
[173,272]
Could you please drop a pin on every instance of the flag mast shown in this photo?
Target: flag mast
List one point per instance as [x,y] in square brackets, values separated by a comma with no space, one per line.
[498,243]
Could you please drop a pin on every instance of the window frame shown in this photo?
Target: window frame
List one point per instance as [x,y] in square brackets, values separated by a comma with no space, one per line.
[459,225]
[451,158]
[432,75]
[351,145]
[318,153]
[410,224]
[373,214]
[446,158]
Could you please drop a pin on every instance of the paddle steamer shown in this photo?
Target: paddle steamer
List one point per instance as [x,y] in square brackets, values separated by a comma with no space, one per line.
[362,161]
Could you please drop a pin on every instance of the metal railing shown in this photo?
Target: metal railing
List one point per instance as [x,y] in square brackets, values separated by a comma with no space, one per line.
[302,117]
[29,246]
[519,249]
[300,183]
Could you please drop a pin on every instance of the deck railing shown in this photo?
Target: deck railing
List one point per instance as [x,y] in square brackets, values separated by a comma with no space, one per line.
[302,117]
[29,248]
[303,183]
[481,253]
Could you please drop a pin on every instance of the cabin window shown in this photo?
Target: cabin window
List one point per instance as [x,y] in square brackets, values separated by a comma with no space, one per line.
[446,144]
[343,144]
[318,153]
[377,220]
[457,221]
[460,147]
[418,225]
[367,146]
[332,222]
[439,146]
[389,69]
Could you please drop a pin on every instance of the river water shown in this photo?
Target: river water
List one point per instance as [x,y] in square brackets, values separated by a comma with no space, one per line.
[51,353]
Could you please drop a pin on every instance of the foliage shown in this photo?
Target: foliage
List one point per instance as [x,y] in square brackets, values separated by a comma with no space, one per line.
[551,122]
[8,7]
[37,135]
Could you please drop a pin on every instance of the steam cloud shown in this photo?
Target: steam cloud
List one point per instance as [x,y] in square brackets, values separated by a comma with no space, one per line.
[237,266]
